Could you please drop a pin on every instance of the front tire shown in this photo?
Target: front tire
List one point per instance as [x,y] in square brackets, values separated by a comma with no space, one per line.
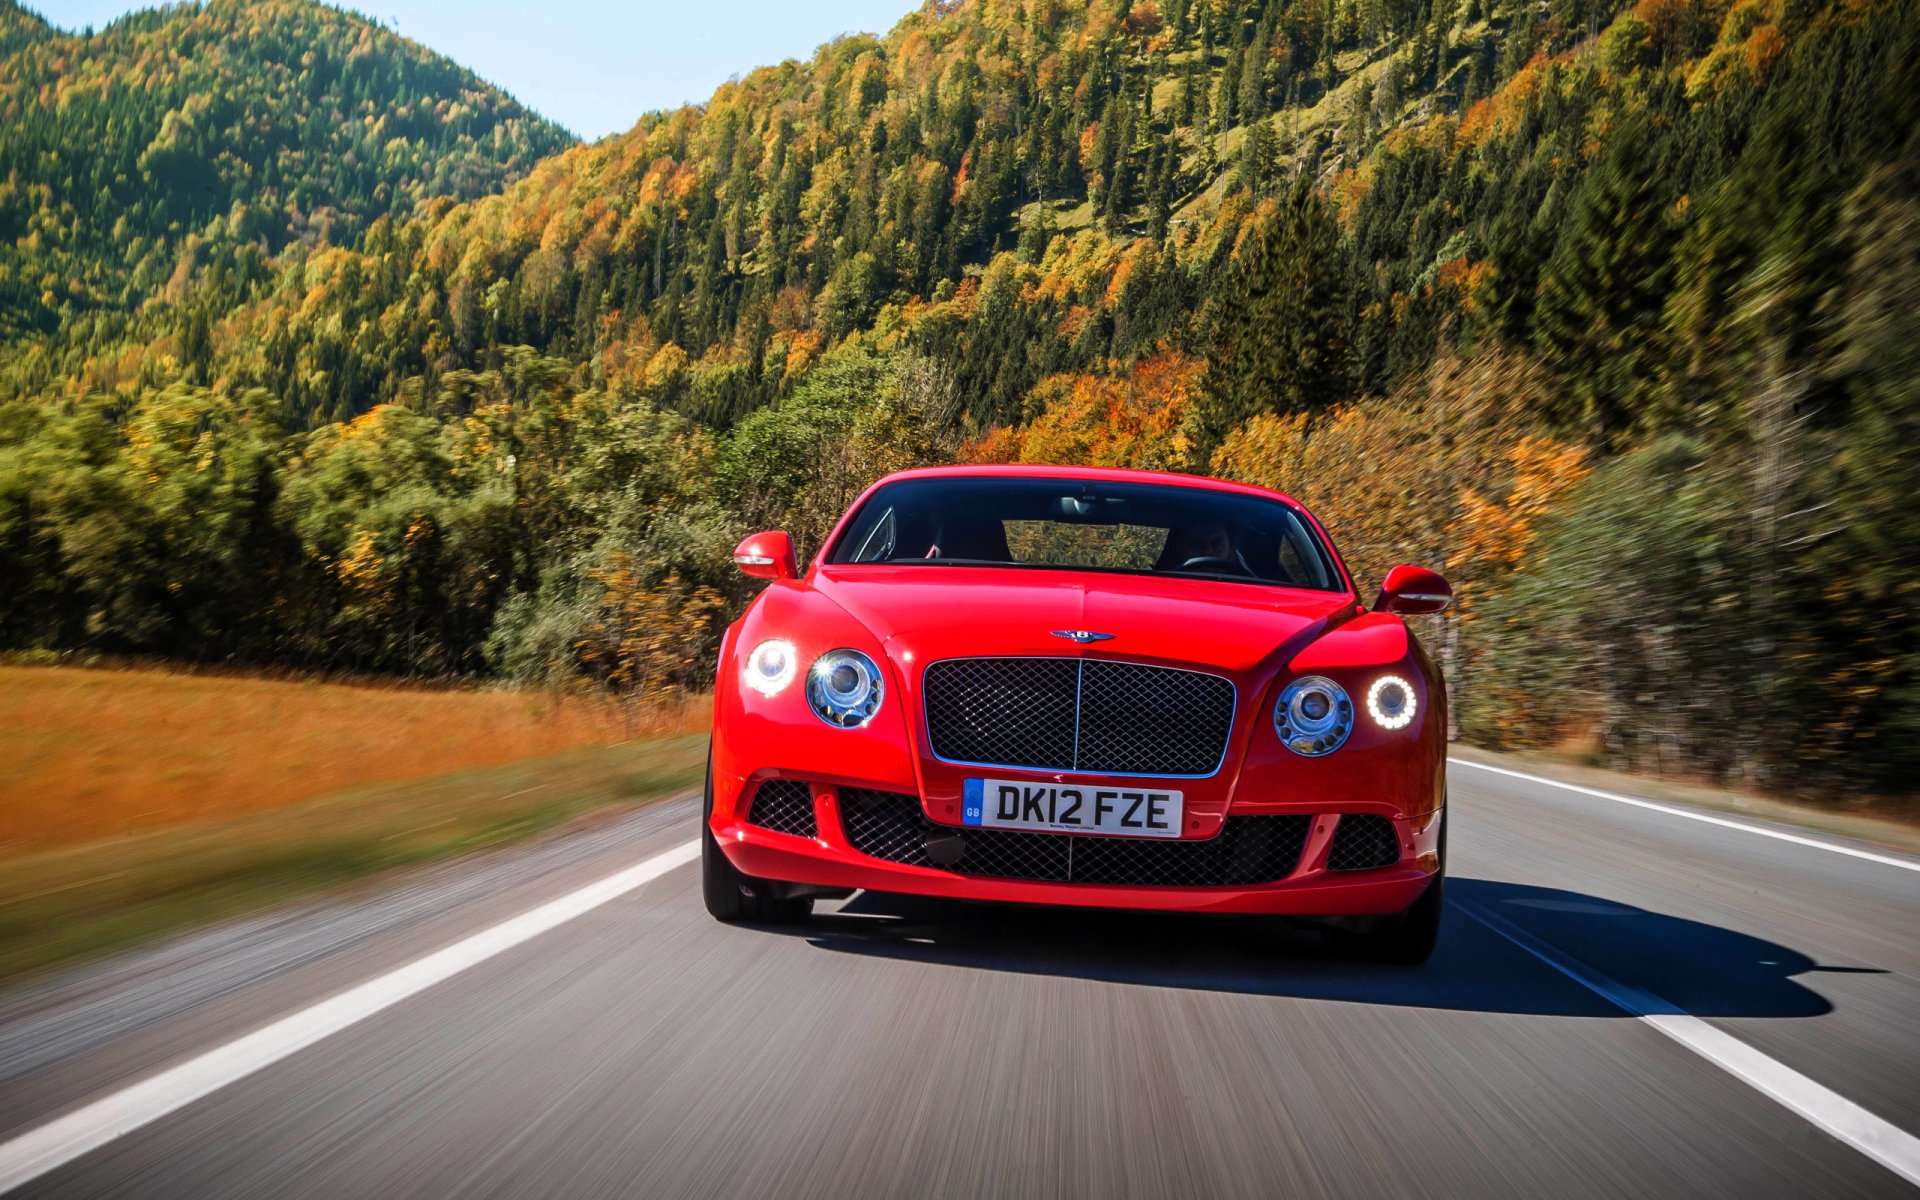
[733,896]
[1413,935]
[1408,939]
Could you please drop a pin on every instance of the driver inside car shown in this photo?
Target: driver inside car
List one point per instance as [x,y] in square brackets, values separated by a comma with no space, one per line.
[1206,547]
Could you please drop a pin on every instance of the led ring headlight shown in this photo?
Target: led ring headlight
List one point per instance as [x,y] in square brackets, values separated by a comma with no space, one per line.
[1390,702]
[844,688]
[770,667]
[1314,716]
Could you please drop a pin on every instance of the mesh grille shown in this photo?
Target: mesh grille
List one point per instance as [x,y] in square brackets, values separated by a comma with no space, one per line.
[784,806]
[1248,850]
[1140,720]
[1065,714]
[1017,711]
[1362,841]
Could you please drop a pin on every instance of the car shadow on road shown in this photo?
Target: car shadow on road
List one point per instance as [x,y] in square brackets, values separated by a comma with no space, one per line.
[1702,968]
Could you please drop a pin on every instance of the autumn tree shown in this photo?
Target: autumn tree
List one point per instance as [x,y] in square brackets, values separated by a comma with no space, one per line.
[1124,417]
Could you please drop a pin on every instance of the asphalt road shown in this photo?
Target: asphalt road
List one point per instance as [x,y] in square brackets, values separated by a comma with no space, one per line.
[897,1047]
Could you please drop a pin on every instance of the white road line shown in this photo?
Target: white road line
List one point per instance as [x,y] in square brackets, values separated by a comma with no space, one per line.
[1886,1144]
[66,1138]
[1890,860]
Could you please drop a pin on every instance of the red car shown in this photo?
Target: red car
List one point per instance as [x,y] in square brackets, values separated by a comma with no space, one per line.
[1106,688]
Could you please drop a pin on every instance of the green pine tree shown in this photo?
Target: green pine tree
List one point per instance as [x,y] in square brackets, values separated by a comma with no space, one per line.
[1598,314]
[1278,327]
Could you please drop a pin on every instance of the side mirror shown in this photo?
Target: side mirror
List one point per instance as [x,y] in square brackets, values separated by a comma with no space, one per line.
[1412,590]
[766,556]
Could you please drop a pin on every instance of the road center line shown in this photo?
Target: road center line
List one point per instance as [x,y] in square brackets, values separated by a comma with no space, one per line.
[1885,1143]
[1677,811]
[63,1139]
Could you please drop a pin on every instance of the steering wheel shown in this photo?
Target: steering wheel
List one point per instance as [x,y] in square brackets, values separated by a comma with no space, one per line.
[1216,566]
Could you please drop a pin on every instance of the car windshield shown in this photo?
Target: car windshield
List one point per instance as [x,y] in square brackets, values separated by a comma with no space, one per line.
[1072,524]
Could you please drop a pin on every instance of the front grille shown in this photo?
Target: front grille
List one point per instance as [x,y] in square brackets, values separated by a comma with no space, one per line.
[784,806]
[1362,841]
[1067,714]
[1248,850]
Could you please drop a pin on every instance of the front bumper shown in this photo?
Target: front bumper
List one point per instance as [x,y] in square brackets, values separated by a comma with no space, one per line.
[829,860]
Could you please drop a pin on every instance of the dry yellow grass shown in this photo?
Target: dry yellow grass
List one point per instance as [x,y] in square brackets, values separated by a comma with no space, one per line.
[89,753]
[77,901]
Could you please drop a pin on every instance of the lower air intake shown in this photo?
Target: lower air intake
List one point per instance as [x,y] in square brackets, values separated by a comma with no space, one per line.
[784,806]
[1248,850]
[1362,842]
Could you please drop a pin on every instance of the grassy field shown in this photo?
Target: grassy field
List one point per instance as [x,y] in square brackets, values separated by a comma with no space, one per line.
[87,754]
[135,803]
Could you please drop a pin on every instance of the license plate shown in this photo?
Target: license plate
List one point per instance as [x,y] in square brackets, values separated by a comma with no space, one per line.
[1073,808]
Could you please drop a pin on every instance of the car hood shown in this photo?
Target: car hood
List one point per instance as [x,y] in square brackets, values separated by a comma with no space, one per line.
[927,613]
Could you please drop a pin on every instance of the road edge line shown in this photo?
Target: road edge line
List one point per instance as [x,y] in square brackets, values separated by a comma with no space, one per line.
[54,1143]
[1878,1139]
[1675,810]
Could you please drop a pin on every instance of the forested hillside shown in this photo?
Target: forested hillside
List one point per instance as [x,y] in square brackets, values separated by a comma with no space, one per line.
[181,146]
[1608,311]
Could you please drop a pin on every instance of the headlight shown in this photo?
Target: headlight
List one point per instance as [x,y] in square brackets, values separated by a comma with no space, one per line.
[844,688]
[1390,702]
[770,667]
[1314,716]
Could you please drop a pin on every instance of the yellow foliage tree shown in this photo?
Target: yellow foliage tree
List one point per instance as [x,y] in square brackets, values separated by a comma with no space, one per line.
[1450,471]
[1118,420]
[648,639]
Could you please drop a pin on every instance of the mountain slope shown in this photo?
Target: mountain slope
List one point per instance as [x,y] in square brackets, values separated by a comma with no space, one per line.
[1609,310]
[19,27]
[804,199]
[1036,152]
[181,138]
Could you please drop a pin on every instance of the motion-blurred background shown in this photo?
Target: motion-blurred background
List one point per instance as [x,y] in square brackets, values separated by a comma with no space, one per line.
[324,359]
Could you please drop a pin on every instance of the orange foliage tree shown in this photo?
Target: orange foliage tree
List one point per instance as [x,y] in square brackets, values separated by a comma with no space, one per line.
[1131,419]
[1450,471]
[648,639]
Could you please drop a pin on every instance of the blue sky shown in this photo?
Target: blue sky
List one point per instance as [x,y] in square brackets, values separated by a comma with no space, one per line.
[595,65]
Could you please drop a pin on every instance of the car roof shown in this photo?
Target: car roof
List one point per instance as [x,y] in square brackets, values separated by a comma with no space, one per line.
[1097,474]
